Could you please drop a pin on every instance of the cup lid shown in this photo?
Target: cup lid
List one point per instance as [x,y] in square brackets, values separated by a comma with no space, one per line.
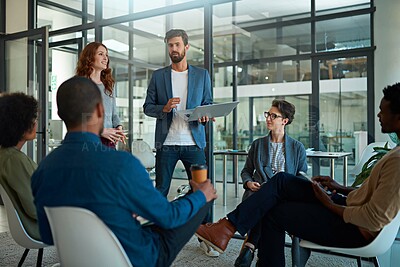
[198,167]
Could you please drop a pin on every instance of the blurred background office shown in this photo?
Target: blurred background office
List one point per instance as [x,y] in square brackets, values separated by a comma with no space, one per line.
[329,58]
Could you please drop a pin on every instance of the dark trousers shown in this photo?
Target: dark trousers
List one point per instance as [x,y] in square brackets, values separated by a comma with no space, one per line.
[287,203]
[254,234]
[173,240]
[166,159]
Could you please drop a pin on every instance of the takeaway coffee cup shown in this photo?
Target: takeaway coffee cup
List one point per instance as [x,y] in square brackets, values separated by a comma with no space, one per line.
[199,172]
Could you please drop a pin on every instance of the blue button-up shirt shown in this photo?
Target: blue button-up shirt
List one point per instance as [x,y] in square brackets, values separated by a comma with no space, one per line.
[114,185]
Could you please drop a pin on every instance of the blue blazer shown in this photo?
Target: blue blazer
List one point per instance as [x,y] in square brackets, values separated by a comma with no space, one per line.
[160,91]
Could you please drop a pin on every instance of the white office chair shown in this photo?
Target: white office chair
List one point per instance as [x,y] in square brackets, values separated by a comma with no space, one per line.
[18,232]
[377,247]
[143,152]
[365,155]
[82,239]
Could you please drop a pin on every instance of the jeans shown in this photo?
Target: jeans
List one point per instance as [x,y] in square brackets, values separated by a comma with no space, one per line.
[166,159]
[288,204]
[173,240]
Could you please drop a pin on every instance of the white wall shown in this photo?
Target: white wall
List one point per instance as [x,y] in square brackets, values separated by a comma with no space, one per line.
[387,54]
[16,50]
[63,67]
[19,21]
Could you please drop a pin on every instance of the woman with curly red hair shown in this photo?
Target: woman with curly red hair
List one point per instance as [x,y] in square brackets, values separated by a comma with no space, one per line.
[93,63]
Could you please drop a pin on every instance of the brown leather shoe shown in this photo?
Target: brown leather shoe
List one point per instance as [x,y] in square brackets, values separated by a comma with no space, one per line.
[217,235]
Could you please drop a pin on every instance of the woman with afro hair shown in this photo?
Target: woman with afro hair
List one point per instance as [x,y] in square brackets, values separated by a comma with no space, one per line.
[18,124]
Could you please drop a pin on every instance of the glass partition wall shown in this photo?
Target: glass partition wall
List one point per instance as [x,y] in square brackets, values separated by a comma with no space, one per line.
[24,69]
[316,54]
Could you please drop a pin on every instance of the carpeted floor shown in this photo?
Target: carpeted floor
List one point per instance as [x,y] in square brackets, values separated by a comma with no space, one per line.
[190,256]
[10,253]
[193,256]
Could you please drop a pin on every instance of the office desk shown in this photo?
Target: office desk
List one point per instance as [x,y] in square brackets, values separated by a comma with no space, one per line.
[235,154]
[332,156]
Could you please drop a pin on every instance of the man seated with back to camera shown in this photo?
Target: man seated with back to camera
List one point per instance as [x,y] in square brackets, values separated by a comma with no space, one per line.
[113,184]
[303,208]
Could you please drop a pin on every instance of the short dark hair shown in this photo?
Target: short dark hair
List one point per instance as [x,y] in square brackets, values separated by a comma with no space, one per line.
[176,33]
[285,108]
[391,93]
[77,98]
[18,113]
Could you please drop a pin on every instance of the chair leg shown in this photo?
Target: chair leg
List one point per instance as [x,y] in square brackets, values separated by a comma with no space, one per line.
[295,252]
[359,264]
[21,261]
[376,261]
[39,258]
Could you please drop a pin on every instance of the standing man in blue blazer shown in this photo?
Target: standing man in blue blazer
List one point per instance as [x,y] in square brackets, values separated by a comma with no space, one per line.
[176,87]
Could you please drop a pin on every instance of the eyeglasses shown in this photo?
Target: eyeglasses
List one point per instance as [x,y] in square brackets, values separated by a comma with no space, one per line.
[273,116]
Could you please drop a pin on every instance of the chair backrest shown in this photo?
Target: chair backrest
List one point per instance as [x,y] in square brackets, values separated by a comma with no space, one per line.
[142,151]
[82,239]
[365,156]
[384,240]
[15,225]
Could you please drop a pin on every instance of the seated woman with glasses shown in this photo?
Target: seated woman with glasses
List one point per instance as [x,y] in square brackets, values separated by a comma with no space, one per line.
[276,152]
[18,124]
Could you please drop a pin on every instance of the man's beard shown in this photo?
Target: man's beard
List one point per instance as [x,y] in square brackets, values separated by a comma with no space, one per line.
[177,58]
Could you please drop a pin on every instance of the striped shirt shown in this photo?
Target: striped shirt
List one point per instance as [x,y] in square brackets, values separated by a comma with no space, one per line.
[277,156]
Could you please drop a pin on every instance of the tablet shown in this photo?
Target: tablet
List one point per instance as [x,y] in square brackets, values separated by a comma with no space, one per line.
[212,111]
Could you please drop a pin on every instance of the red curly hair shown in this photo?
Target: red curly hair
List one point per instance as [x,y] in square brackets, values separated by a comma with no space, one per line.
[85,63]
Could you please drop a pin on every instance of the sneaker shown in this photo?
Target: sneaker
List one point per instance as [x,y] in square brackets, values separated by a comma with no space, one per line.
[182,191]
[216,235]
[210,252]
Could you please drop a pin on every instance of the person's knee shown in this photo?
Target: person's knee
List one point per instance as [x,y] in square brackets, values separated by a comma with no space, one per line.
[278,181]
[279,175]
[286,182]
[283,175]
